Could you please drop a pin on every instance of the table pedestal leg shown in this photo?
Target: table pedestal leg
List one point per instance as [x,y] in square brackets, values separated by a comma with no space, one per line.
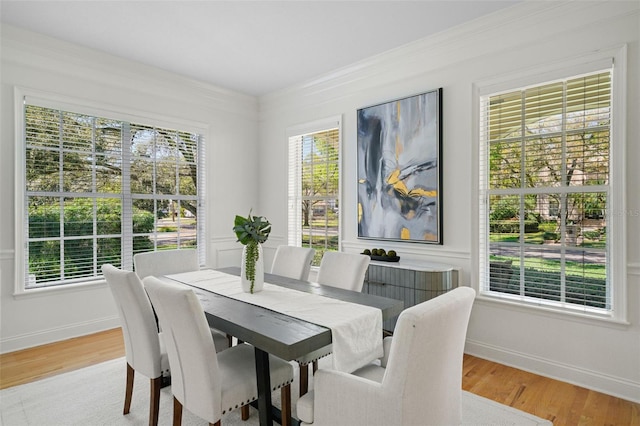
[264,387]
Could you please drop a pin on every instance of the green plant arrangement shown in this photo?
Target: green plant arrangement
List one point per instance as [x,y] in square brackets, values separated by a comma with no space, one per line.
[251,231]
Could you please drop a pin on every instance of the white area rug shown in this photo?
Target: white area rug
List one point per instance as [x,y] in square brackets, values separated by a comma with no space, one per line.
[94,396]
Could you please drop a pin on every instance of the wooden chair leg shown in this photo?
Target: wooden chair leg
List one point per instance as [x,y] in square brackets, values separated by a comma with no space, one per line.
[154,406]
[285,398]
[129,389]
[315,366]
[304,379]
[216,423]
[244,411]
[177,412]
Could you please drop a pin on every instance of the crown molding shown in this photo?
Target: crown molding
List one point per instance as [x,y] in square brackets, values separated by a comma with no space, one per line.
[43,53]
[481,37]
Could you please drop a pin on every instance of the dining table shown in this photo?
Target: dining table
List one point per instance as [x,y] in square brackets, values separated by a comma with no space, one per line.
[276,333]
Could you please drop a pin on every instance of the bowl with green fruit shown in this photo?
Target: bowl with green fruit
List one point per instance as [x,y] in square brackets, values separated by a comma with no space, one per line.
[382,255]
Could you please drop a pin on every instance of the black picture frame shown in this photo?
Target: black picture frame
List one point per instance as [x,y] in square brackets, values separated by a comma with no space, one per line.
[399,147]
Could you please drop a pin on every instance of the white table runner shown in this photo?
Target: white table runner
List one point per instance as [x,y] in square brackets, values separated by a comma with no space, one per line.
[355,329]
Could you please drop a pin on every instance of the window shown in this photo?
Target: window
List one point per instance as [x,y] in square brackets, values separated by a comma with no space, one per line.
[314,188]
[98,190]
[546,187]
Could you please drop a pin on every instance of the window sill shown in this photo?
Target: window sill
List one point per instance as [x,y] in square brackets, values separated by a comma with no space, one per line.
[553,312]
[58,289]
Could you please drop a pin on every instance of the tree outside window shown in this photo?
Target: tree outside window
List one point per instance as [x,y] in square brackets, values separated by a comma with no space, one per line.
[547,188]
[314,191]
[99,190]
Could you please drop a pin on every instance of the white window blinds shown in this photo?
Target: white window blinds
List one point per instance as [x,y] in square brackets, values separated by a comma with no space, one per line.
[314,190]
[544,193]
[98,190]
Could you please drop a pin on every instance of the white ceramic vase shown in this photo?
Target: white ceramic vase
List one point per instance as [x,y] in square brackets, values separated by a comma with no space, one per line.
[258,282]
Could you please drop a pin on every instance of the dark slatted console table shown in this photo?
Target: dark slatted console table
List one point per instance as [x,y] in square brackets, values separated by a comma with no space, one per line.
[410,281]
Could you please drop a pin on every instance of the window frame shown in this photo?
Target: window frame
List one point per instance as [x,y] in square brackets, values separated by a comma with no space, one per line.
[40,98]
[614,58]
[293,208]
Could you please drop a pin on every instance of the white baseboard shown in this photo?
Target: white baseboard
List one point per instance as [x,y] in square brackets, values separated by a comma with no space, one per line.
[610,385]
[30,340]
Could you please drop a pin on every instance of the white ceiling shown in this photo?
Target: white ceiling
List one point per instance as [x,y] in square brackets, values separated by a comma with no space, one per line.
[254,47]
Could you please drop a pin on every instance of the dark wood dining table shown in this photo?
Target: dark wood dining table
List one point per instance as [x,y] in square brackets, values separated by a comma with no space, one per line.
[278,334]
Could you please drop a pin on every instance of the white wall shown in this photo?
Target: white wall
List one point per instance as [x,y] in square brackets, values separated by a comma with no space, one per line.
[40,63]
[594,354]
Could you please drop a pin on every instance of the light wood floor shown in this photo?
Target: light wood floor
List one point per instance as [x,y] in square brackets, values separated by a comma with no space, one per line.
[560,402]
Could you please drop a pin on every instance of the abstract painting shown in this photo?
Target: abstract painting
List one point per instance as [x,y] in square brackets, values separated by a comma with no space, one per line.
[399,169]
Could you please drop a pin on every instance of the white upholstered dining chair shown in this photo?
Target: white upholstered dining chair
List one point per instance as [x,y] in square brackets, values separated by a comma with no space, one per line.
[341,270]
[167,262]
[144,347]
[205,383]
[293,262]
[418,381]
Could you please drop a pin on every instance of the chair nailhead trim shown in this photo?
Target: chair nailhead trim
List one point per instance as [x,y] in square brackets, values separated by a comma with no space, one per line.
[313,360]
[254,398]
[282,385]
